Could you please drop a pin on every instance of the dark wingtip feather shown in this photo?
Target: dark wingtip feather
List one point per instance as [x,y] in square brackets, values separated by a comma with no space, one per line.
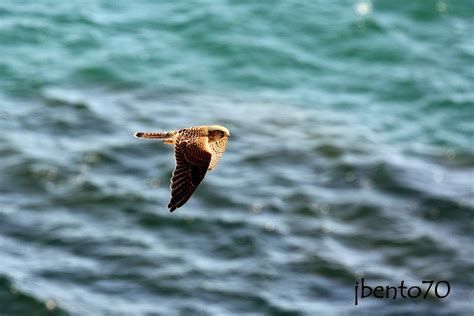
[138,134]
[171,207]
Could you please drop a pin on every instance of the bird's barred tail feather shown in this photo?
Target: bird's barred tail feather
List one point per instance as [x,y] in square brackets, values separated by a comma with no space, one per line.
[157,135]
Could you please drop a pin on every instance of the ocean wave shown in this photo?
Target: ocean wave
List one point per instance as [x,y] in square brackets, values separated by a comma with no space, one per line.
[14,301]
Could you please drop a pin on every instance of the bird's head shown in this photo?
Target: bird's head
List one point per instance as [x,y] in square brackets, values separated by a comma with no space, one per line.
[217,132]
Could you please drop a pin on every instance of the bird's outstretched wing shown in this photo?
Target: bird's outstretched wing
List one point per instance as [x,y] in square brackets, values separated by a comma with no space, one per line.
[192,160]
[217,150]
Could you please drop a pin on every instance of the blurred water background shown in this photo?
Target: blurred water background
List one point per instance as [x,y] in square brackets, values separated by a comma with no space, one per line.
[352,156]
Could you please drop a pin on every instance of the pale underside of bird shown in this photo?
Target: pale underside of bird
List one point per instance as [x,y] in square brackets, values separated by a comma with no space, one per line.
[196,150]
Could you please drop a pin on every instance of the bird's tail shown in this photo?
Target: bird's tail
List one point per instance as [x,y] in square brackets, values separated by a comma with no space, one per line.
[157,135]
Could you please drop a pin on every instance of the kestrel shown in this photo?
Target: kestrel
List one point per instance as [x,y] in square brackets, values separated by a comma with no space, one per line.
[196,150]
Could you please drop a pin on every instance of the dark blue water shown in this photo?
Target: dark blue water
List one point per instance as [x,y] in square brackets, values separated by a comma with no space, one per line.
[352,155]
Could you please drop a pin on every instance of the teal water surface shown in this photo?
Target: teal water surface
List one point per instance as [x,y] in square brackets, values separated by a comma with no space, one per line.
[352,156]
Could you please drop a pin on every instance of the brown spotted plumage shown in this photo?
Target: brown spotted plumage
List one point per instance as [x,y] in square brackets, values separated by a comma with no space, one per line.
[196,150]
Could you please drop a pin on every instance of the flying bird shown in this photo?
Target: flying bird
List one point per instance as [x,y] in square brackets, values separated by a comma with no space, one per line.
[196,150]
